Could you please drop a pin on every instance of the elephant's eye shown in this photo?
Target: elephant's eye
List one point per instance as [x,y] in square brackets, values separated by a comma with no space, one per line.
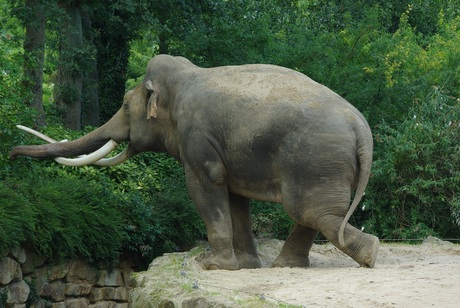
[126,107]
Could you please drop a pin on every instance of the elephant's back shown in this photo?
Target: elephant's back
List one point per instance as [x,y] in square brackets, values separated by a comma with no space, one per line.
[259,100]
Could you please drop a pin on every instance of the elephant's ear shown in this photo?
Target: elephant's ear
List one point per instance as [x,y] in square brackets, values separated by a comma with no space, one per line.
[152,105]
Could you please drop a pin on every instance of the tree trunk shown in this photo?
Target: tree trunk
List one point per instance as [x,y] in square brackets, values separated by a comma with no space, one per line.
[70,71]
[90,103]
[34,53]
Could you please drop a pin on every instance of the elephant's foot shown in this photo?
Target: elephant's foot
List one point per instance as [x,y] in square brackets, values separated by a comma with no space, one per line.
[211,261]
[291,261]
[246,260]
[296,247]
[367,254]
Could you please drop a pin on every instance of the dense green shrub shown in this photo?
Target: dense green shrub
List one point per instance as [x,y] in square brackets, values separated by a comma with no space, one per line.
[413,190]
[17,218]
[165,220]
[270,220]
[60,218]
[66,212]
[180,224]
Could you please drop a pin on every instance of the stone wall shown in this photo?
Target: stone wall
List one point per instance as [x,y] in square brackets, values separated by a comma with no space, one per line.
[26,275]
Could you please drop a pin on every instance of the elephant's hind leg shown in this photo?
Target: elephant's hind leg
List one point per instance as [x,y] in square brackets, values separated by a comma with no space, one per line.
[327,207]
[296,248]
[360,246]
[243,240]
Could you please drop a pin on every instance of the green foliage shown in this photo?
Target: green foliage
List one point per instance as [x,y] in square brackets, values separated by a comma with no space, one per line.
[12,98]
[115,24]
[180,223]
[414,187]
[385,57]
[57,224]
[270,220]
[17,217]
[147,193]
[141,51]
[86,212]
[378,71]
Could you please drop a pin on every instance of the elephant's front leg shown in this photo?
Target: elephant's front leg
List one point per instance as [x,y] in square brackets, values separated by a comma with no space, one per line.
[212,201]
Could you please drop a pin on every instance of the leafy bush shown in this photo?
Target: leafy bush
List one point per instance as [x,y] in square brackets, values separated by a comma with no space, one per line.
[66,215]
[413,191]
[61,218]
[166,219]
[270,220]
[16,217]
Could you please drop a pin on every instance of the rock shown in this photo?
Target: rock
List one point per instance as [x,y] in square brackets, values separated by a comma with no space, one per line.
[19,254]
[79,271]
[71,284]
[99,294]
[126,274]
[58,271]
[166,303]
[33,260]
[18,292]
[77,289]
[164,285]
[201,302]
[41,303]
[9,270]
[110,279]
[54,290]
[38,278]
[436,241]
[102,305]
[121,294]
[76,303]
[109,304]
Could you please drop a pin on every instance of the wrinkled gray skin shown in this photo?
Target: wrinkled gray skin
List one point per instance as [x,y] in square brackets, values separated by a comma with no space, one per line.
[248,132]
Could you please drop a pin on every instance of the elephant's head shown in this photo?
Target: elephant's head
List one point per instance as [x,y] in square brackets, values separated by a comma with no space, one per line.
[144,121]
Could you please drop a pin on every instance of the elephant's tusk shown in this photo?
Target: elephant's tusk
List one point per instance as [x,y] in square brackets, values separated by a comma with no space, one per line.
[38,134]
[83,160]
[112,161]
[90,158]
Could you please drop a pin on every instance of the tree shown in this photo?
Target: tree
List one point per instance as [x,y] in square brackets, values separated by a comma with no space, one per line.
[90,90]
[115,24]
[70,71]
[34,54]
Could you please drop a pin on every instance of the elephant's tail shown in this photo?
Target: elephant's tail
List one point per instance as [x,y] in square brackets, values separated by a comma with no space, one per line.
[364,155]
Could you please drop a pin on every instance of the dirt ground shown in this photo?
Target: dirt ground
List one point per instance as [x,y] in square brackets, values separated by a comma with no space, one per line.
[424,275]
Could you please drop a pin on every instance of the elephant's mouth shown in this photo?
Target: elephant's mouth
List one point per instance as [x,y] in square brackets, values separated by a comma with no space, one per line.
[94,158]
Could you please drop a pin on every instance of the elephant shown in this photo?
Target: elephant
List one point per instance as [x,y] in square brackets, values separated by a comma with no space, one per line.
[242,133]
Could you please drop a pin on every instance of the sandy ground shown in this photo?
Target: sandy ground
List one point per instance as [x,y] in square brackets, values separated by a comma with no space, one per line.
[424,275]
